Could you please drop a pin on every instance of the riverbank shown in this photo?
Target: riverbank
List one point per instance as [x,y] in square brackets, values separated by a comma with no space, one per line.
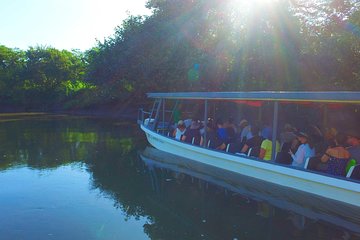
[101,111]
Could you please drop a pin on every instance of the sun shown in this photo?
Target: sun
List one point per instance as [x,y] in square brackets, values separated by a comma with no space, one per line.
[251,6]
[243,10]
[254,2]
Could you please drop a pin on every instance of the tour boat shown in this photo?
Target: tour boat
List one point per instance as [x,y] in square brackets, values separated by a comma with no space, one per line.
[158,121]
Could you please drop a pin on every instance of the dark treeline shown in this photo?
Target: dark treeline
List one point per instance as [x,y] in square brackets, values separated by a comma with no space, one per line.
[195,45]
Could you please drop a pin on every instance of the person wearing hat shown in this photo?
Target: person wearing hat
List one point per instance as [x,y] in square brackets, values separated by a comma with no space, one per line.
[353,140]
[305,150]
[180,130]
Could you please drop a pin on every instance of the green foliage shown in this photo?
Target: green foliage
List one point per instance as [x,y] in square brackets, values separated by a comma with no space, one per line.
[238,45]
[12,64]
[40,77]
[75,86]
[277,46]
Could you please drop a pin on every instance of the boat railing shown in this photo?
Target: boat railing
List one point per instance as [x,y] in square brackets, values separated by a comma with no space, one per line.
[142,116]
[150,121]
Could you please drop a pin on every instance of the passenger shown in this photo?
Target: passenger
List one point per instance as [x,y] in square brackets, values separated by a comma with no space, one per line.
[180,130]
[315,133]
[211,135]
[266,146]
[244,131]
[288,138]
[317,138]
[330,135]
[188,122]
[193,132]
[221,131]
[266,130]
[254,142]
[230,130]
[221,135]
[209,128]
[336,157]
[353,140]
[305,150]
[328,142]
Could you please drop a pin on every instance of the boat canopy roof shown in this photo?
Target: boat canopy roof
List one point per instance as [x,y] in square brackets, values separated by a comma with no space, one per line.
[325,97]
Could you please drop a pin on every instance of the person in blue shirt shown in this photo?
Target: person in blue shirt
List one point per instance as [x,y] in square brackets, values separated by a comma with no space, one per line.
[221,134]
[304,151]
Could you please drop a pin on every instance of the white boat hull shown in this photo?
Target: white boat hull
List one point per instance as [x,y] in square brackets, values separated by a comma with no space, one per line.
[317,184]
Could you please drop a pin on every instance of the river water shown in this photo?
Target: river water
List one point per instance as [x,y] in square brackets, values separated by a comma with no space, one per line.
[64,177]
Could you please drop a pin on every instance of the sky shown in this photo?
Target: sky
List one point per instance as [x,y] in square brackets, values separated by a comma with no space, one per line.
[63,24]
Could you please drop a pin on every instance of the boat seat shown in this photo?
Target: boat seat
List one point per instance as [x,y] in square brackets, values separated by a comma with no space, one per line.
[165,133]
[351,162]
[211,144]
[196,141]
[254,152]
[249,151]
[232,148]
[227,147]
[354,172]
[312,163]
[149,121]
[306,163]
[285,147]
[283,158]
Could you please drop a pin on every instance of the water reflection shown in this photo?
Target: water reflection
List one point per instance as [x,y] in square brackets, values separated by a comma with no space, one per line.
[49,178]
[80,178]
[48,141]
[242,205]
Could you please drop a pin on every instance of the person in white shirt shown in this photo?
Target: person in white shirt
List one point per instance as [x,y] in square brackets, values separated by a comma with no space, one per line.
[180,130]
[304,151]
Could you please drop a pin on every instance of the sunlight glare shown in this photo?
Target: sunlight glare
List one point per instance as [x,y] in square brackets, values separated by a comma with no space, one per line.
[248,7]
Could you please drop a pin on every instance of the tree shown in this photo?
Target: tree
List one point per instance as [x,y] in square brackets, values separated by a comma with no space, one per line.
[40,76]
[11,66]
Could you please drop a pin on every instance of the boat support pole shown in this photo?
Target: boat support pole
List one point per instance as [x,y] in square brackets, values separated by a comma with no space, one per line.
[274,127]
[260,114]
[205,122]
[172,115]
[163,116]
[156,118]
[325,117]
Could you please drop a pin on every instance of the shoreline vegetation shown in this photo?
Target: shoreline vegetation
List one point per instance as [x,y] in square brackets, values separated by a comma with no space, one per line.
[98,112]
[284,45]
